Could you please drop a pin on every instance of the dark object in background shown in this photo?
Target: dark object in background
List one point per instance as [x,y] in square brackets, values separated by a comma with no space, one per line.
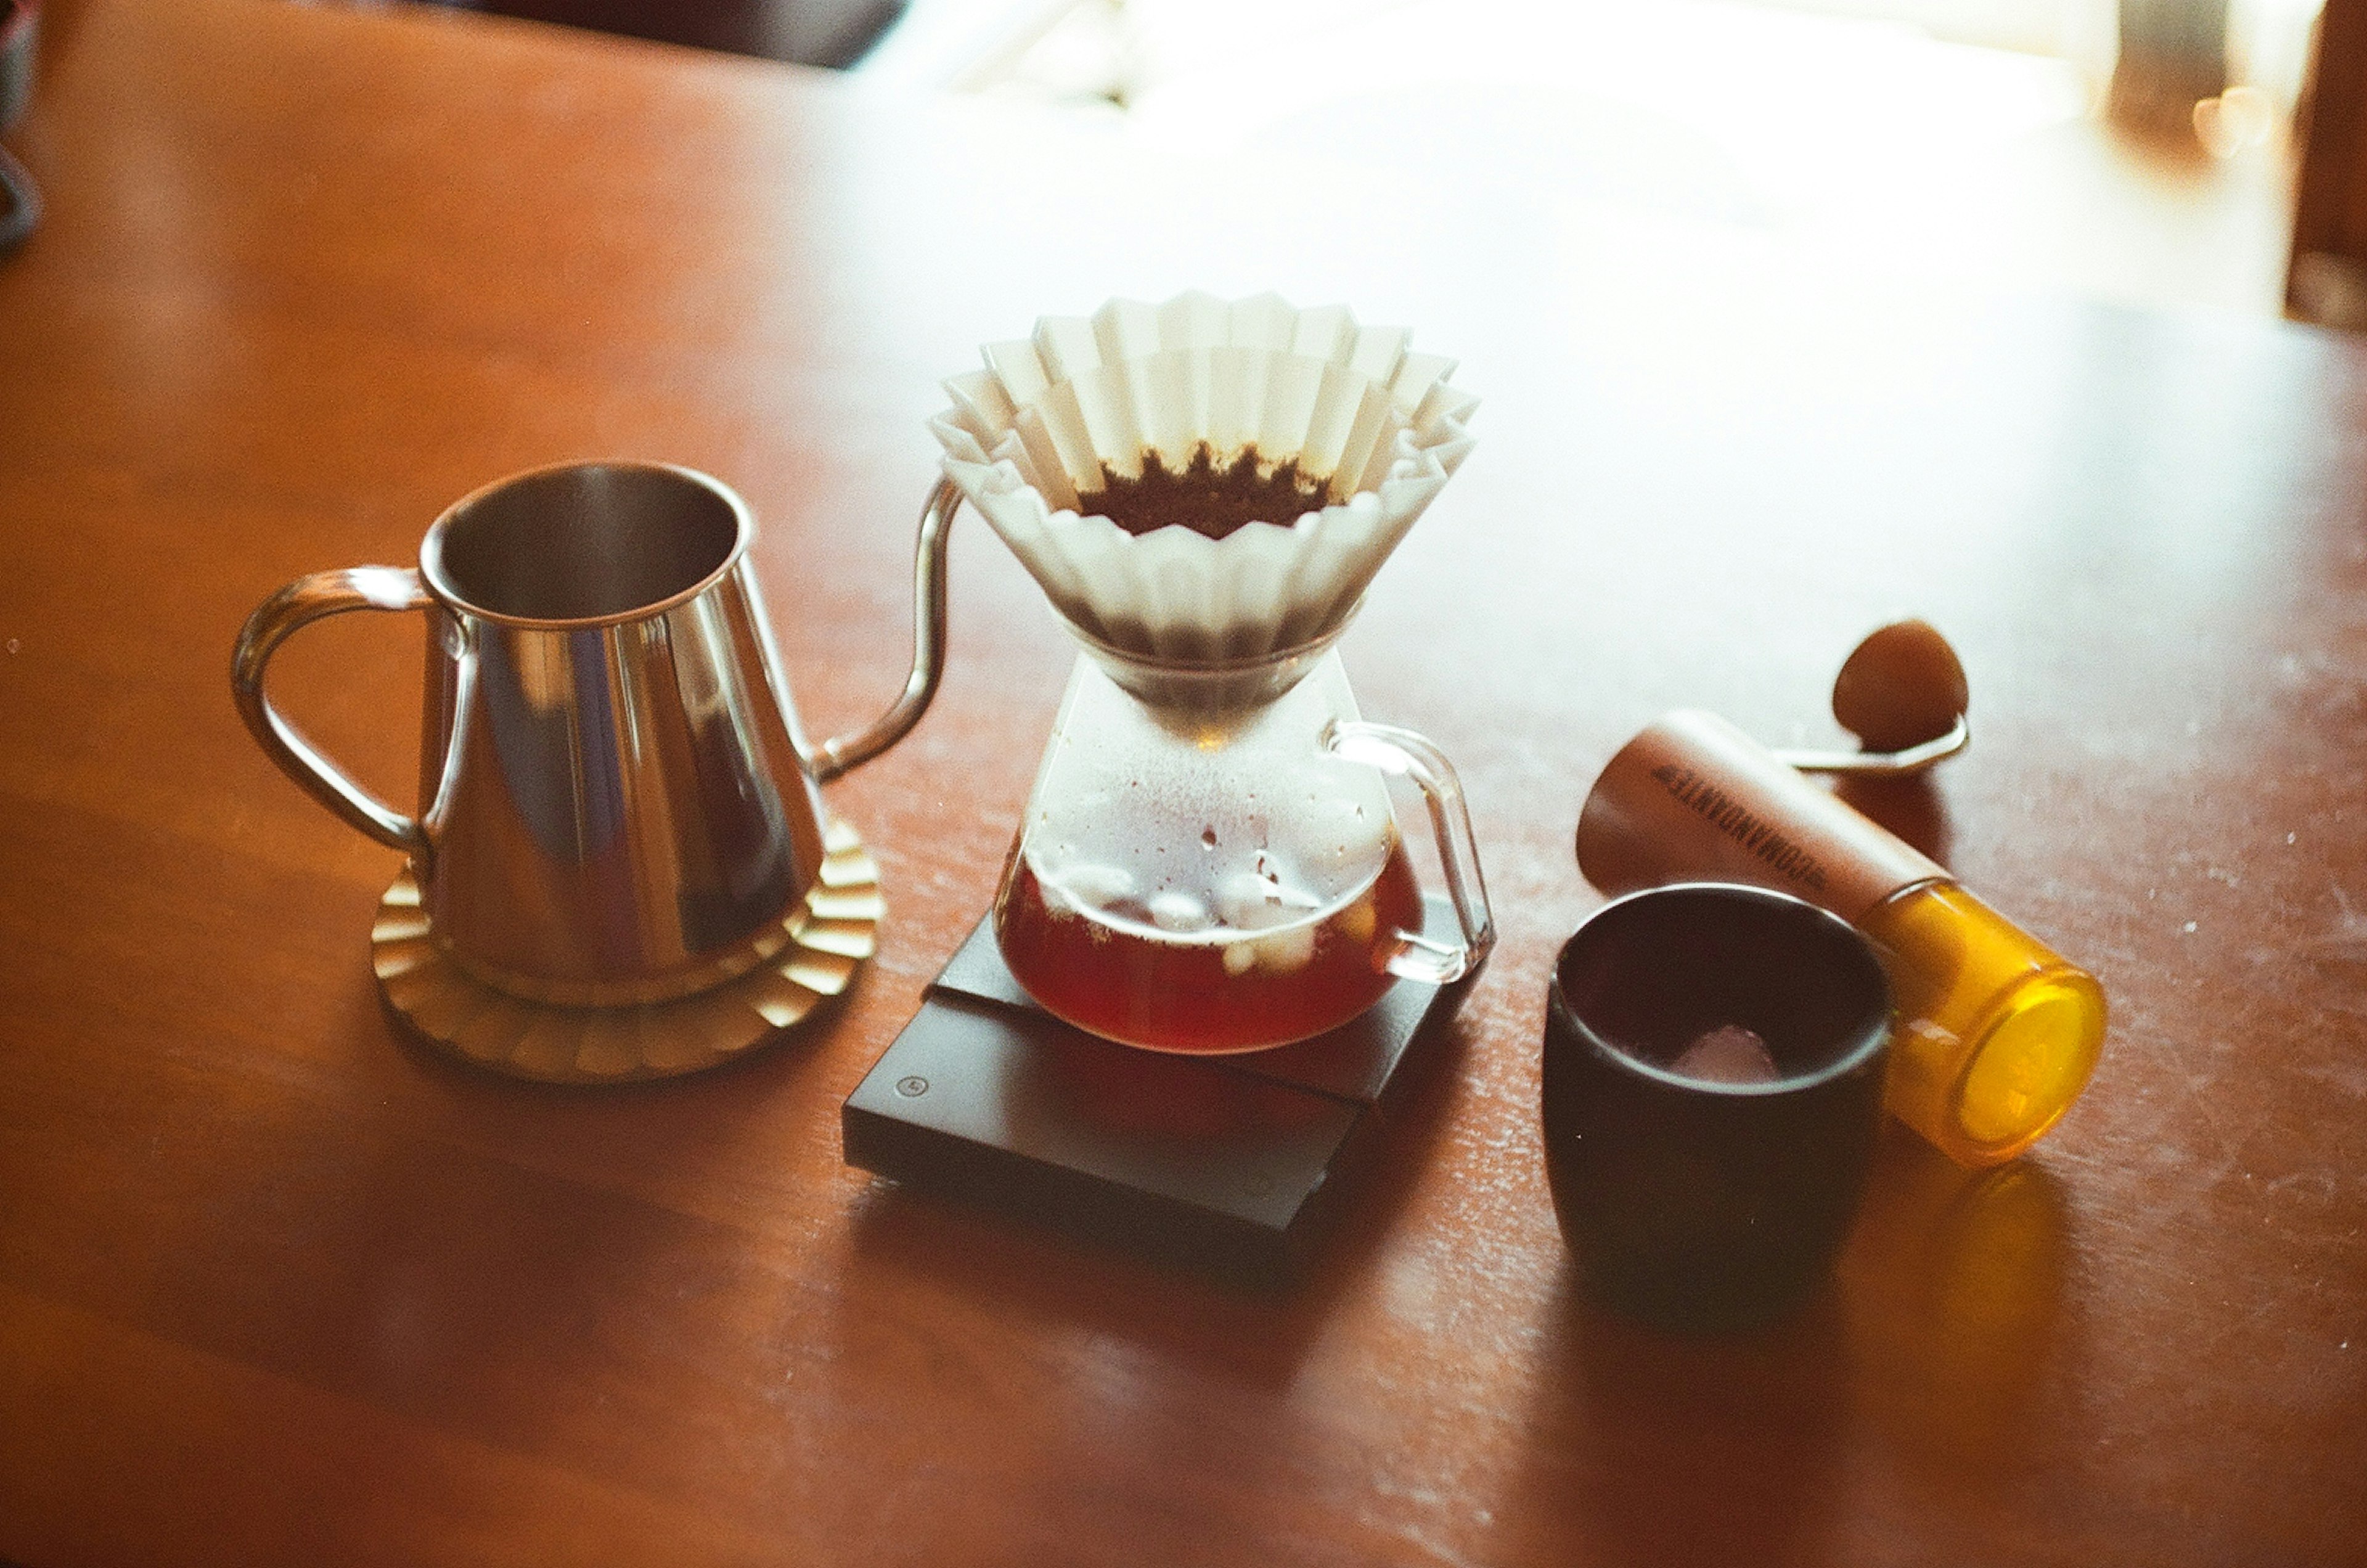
[835,33]
[2173,55]
[20,31]
[2326,277]
[1687,1200]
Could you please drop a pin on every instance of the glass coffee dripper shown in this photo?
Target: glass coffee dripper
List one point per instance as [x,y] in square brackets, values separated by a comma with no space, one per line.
[1209,860]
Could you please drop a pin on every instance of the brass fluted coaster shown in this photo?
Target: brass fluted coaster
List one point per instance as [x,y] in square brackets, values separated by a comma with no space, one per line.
[830,936]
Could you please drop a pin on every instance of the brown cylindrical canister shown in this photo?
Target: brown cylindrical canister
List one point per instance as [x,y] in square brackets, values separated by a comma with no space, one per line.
[1693,798]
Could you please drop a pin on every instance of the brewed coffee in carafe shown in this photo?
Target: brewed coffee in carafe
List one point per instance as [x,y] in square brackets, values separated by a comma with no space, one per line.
[1210,882]
[1209,862]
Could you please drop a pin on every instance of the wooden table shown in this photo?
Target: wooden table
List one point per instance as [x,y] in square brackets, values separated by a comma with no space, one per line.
[276,1286]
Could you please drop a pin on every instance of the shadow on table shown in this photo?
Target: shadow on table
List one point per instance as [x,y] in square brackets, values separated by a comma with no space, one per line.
[1933,1344]
[1910,807]
[1654,1447]
[1959,1293]
[1253,1326]
[419,1266]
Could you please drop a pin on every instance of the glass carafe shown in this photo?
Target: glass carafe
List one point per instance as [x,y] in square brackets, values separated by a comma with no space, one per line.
[1209,863]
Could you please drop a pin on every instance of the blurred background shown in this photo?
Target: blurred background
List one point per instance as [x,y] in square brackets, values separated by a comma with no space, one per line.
[2137,151]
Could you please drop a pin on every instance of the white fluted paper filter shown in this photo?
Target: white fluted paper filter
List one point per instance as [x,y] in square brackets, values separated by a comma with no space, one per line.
[1349,404]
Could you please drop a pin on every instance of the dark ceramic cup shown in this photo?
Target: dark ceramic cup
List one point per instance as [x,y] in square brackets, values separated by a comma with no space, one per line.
[1714,1200]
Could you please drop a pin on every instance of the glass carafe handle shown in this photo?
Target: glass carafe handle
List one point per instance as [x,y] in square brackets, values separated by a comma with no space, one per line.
[1404,754]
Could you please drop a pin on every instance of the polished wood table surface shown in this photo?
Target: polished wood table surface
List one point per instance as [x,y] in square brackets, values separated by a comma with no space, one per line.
[276,1286]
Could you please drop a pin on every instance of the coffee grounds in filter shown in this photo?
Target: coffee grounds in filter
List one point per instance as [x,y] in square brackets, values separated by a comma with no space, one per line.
[1209,498]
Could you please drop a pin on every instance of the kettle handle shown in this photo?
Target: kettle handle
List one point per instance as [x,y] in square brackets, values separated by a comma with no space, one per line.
[302,601]
[844,753]
[1402,753]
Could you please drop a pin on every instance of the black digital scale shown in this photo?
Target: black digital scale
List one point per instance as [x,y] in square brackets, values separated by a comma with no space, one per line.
[1232,1161]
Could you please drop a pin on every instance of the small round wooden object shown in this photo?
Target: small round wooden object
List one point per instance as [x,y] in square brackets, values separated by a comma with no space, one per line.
[1903,686]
